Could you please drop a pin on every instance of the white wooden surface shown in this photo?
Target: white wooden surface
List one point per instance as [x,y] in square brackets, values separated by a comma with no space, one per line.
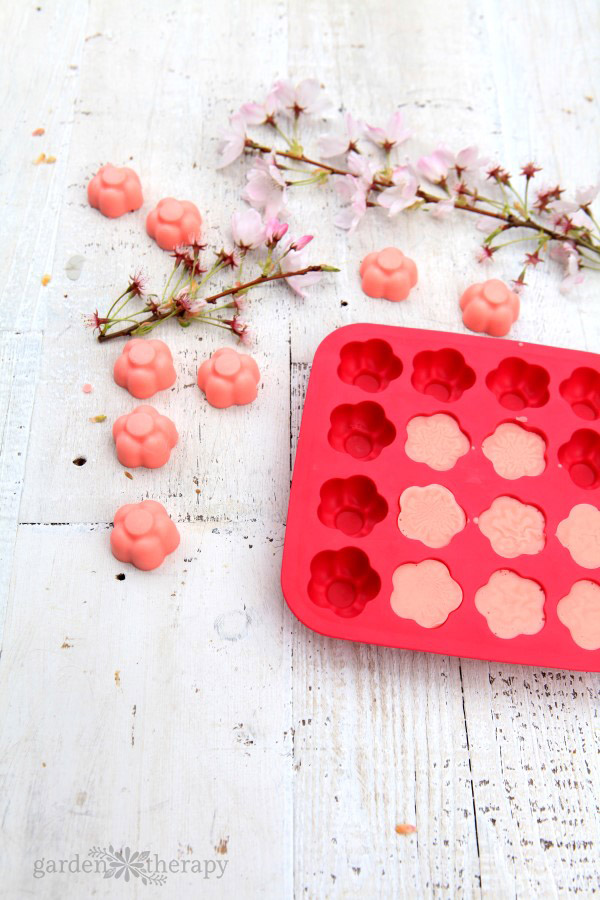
[186,711]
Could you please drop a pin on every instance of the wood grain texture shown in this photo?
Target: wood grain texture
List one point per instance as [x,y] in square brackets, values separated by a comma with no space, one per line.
[186,711]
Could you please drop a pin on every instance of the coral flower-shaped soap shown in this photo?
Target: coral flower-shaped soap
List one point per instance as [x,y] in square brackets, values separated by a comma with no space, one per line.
[143,534]
[229,378]
[490,306]
[144,367]
[115,191]
[144,438]
[388,274]
[174,222]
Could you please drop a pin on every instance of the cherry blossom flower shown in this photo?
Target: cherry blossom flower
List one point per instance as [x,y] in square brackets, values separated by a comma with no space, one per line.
[436,166]
[248,229]
[484,255]
[469,160]
[274,231]
[262,113]
[233,140]
[567,255]
[443,208]
[291,262]
[337,144]
[389,137]
[301,243]
[266,189]
[353,191]
[137,285]
[402,194]
[585,196]
[362,167]
[305,98]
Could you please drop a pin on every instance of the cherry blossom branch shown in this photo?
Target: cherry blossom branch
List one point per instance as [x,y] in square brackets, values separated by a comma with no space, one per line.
[378,184]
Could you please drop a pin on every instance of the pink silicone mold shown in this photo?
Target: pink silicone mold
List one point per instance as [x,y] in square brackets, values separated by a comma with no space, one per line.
[229,378]
[581,390]
[388,274]
[352,505]
[437,545]
[581,457]
[144,438]
[442,374]
[369,365]
[115,191]
[174,222]
[518,384]
[362,431]
[343,581]
[490,306]
[143,534]
[144,367]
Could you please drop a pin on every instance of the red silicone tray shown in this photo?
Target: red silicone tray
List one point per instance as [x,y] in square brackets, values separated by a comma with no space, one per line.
[549,401]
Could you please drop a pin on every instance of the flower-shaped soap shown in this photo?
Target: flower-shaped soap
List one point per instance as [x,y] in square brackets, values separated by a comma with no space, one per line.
[229,378]
[115,191]
[388,274]
[144,438]
[174,222]
[143,534]
[144,367]
[490,306]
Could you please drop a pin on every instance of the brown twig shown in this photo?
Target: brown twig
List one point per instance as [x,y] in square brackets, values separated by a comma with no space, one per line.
[239,289]
[380,184]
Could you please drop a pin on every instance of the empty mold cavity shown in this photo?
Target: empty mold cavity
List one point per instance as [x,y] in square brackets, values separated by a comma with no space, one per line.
[582,392]
[581,457]
[352,505]
[517,384]
[361,430]
[430,514]
[442,374]
[513,528]
[425,592]
[343,581]
[512,605]
[436,440]
[515,451]
[369,365]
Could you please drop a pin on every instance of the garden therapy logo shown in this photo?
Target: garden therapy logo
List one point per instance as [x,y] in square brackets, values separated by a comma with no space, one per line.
[128,865]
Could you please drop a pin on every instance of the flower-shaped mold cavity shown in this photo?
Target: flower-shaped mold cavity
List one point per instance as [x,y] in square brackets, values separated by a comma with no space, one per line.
[490,306]
[430,514]
[582,391]
[144,438]
[425,592]
[515,451]
[229,378]
[143,534]
[361,430]
[436,440]
[144,367]
[579,611]
[517,384]
[115,191]
[511,604]
[442,374]
[351,505]
[369,365]
[174,222]
[580,534]
[343,581]
[513,528]
[388,274]
[581,457]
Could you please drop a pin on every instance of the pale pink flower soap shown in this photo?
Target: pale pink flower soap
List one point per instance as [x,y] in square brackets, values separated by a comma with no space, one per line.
[144,438]
[430,514]
[513,528]
[515,452]
[144,368]
[115,191]
[229,378]
[143,534]
[425,592]
[436,440]
[579,611]
[580,534]
[512,605]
